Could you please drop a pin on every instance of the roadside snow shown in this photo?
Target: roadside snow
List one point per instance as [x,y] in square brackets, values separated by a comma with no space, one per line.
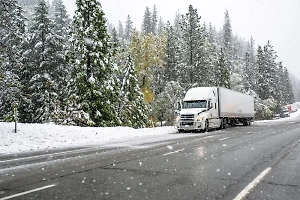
[292,116]
[32,137]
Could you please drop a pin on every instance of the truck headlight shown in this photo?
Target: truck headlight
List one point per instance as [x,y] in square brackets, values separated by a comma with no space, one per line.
[177,118]
[200,118]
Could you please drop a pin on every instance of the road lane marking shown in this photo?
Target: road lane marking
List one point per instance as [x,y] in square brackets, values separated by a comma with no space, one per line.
[224,138]
[251,185]
[169,153]
[27,192]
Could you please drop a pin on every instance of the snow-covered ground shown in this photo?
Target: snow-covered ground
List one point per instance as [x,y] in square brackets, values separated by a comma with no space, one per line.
[295,106]
[31,137]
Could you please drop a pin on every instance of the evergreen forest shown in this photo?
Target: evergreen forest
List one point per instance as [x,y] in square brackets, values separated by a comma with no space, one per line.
[85,71]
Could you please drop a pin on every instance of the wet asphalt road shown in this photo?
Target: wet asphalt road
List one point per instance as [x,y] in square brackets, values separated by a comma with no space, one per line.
[261,161]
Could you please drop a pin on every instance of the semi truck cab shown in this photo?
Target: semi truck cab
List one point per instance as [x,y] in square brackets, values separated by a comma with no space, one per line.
[198,110]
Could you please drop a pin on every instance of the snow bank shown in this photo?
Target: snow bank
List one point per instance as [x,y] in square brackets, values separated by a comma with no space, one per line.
[292,116]
[32,137]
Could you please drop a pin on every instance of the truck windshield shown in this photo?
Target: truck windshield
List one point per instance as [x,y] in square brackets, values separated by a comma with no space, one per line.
[194,104]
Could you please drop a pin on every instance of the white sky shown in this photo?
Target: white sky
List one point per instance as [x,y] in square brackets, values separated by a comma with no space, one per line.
[274,20]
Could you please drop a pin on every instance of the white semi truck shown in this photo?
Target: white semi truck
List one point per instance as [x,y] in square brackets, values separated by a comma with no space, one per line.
[205,108]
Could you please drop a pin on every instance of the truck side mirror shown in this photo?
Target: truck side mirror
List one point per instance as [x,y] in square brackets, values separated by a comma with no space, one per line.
[209,105]
[177,106]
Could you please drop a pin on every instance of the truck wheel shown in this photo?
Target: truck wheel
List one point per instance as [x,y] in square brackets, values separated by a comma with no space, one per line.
[206,128]
[249,122]
[223,123]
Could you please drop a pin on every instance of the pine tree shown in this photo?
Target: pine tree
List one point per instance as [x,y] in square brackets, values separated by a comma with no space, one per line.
[281,85]
[94,86]
[147,22]
[61,19]
[61,30]
[154,20]
[12,29]
[128,28]
[120,30]
[288,94]
[227,37]
[263,85]
[173,55]
[222,71]
[194,39]
[29,8]
[271,76]
[247,73]
[163,106]
[115,38]
[212,34]
[40,69]
[132,109]
[250,70]
[161,26]
[177,21]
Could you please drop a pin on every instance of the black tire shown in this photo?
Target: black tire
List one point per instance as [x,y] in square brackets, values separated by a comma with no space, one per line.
[249,122]
[223,124]
[206,128]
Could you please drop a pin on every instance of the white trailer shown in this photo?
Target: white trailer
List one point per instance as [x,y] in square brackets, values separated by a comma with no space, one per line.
[204,108]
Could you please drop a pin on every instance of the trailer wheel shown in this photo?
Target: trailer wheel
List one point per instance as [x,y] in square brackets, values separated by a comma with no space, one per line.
[223,123]
[247,122]
[206,128]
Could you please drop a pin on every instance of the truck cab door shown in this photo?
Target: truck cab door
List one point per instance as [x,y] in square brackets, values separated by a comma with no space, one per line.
[213,113]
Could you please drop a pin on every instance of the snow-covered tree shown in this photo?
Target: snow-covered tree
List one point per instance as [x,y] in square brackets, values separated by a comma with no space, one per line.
[262,82]
[163,105]
[287,90]
[128,28]
[250,72]
[61,30]
[212,34]
[161,26]
[40,68]
[132,109]
[194,39]
[61,19]
[154,21]
[227,37]
[222,71]
[173,58]
[12,29]
[94,83]
[120,30]
[272,78]
[147,21]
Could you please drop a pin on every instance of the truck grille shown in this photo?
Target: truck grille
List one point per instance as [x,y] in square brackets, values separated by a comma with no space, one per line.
[187,117]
